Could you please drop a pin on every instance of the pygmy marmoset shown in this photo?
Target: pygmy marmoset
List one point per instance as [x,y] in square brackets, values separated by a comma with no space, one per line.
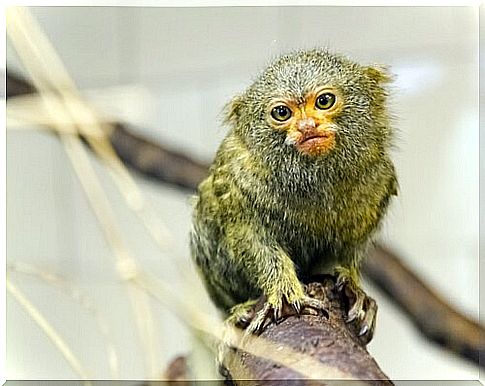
[299,186]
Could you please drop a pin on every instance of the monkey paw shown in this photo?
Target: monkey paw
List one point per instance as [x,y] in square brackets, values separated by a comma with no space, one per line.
[242,314]
[254,315]
[362,309]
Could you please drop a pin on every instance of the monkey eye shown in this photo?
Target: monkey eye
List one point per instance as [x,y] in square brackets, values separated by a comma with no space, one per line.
[325,101]
[281,113]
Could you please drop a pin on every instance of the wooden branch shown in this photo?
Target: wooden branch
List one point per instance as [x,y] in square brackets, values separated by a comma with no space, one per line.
[431,314]
[145,157]
[437,320]
[16,85]
[177,373]
[320,344]
[158,163]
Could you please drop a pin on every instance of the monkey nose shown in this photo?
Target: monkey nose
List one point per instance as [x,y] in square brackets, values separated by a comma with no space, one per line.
[306,124]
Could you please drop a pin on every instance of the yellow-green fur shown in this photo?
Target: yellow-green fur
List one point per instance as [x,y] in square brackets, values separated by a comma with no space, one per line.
[268,215]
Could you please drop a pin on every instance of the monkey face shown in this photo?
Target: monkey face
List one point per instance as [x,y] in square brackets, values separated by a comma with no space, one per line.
[308,125]
[313,105]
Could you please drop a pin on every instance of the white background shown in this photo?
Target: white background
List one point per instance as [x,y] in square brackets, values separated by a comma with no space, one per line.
[170,71]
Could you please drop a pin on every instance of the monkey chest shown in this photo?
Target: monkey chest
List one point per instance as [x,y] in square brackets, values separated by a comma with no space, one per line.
[349,224]
[344,222]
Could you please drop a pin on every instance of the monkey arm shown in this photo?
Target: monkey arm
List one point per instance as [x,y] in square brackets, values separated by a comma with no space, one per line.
[264,262]
[270,269]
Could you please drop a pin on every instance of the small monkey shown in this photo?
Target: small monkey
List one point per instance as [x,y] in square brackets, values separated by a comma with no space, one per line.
[298,187]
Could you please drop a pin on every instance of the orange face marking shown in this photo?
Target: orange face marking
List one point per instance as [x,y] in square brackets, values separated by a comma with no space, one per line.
[310,128]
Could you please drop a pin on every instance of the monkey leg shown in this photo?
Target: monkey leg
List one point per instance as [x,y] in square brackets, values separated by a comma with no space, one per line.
[362,309]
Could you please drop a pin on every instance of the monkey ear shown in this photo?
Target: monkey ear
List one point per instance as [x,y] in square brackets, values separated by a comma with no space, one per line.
[379,73]
[233,109]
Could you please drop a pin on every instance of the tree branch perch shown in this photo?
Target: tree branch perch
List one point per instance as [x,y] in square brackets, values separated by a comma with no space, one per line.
[324,345]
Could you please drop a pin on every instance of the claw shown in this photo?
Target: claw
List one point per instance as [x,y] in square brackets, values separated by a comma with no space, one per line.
[350,318]
[357,311]
[363,330]
[258,322]
[342,281]
[243,322]
[277,313]
[297,307]
[369,320]
[363,309]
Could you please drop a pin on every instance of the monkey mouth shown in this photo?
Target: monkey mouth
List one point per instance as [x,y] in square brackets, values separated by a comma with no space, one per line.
[315,138]
[317,143]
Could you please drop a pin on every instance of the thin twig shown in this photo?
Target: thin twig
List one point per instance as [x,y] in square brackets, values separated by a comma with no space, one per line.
[50,331]
[48,72]
[80,298]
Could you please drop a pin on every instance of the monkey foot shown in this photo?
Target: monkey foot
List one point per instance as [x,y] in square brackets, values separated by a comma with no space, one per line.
[362,309]
[253,315]
[242,314]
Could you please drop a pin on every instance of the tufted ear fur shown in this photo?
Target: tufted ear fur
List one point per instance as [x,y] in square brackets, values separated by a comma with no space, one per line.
[232,110]
[379,73]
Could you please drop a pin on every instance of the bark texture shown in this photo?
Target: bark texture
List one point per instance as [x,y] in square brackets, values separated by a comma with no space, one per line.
[329,347]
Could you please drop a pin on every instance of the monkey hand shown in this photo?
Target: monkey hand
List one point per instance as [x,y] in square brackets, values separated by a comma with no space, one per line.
[283,299]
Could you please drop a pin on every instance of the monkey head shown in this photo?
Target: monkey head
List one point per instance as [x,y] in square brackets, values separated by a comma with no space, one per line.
[314,105]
